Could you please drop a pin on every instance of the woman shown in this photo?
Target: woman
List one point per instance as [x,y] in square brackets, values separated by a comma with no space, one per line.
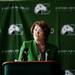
[39,48]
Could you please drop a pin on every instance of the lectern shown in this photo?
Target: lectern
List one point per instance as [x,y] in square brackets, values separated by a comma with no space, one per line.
[31,68]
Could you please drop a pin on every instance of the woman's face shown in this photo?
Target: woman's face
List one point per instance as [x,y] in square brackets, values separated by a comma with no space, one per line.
[38,34]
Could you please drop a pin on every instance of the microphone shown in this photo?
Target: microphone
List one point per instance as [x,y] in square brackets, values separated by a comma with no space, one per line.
[25,54]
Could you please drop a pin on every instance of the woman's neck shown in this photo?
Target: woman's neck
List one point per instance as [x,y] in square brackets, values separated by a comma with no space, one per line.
[41,46]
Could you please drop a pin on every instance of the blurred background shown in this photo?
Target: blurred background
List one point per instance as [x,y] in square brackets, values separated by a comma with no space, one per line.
[17,16]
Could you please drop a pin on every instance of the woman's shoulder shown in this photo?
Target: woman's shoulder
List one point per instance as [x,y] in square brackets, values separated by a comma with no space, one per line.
[26,42]
[52,46]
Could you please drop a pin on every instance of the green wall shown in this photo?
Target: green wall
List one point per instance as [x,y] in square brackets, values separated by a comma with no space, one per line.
[59,13]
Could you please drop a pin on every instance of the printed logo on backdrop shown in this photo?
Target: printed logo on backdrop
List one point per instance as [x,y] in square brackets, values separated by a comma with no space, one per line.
[15,29]
[16,7]
[68,72]
[68,29]
[42,9]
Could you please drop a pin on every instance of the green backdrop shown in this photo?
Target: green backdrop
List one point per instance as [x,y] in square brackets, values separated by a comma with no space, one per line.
[59,13]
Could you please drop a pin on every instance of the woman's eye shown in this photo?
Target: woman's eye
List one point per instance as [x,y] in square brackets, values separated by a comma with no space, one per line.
[40,30]
[35,29]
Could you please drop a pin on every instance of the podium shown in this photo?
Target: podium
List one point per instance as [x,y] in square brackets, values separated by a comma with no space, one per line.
[31,68]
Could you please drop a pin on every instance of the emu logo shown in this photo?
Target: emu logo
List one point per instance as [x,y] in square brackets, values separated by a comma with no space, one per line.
[68,72]
[66,28]
[40,8]
[14,29]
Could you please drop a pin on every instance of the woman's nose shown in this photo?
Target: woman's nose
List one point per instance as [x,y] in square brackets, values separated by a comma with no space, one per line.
[37,32]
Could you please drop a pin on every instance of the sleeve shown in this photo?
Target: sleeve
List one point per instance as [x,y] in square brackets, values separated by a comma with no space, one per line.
[21,51]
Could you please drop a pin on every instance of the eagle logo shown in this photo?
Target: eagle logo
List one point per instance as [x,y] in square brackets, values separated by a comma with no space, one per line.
[40,8]
[14,29]
[66,29]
